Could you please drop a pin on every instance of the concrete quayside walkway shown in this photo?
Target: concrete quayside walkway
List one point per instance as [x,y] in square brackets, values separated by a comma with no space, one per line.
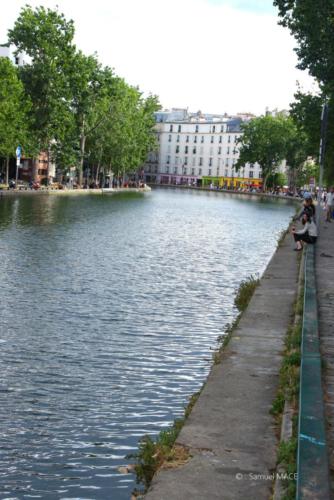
[230,434]
[325,292]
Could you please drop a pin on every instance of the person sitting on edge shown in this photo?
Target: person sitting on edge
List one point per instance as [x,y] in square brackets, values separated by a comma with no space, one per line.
[308,208]
[308,234]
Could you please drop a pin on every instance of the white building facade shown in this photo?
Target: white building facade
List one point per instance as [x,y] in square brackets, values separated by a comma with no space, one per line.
[199,150]
[7,50]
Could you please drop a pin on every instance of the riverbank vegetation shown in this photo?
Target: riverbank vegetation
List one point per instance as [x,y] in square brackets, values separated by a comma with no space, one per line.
[67,104]
[153,454]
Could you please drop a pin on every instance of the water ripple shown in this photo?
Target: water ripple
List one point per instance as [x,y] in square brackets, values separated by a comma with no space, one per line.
[110,309]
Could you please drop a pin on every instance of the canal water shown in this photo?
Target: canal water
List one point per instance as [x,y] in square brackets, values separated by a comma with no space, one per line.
[109,310]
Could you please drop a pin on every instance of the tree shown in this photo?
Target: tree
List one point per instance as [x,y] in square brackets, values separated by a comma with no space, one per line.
[306,112]
[307,170]
[264,140]
[311,23]
[90,86]
[125,135]
[14,108]
[47,38]
[81,111]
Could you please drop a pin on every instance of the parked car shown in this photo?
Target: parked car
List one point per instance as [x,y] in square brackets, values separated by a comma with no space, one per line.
[22,185]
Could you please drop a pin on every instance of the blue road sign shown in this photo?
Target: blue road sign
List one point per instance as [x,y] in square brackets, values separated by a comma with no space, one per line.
[18,152]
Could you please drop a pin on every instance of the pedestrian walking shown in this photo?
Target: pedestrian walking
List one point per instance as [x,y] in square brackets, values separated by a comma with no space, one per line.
[329,205]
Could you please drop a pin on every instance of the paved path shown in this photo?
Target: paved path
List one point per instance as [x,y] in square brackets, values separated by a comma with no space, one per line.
[230,433]
[325,288]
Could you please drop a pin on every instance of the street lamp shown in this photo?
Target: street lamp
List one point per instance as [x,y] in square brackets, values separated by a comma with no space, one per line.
[322,147]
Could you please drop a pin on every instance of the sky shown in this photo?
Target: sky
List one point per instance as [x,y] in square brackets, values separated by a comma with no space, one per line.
[216,56]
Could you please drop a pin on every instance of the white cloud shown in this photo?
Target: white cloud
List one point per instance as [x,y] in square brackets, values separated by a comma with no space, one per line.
[191,53]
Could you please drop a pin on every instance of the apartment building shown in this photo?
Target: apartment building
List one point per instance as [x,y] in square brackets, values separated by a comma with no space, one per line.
[199,150]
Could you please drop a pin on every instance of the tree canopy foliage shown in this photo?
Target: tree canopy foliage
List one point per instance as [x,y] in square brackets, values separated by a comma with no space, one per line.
[268,140]
[81,112]
[14,109]
[312,24]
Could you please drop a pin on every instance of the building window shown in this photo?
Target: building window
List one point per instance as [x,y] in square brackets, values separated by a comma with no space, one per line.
[228,151]
[179,129]
[177,149]
[186,160]
[220,139]
[202,138]
[171,128]
[184,171]
[226,172]
[200,162]
[194,151]
[229,139]
[199,171]
[167,170]
[210,171]
[176,160]
[222,128]
[212,139]
[210,162]
[214,129]
[251,165]
[178,139]
[192,171]
[217,171]
[235,151]
[186,150]
[196,129]
[187,138]
[168,160]
[260,174]
[175,170]
[227,162]
[219,150]
[236,139]
[195,139]
[251,175]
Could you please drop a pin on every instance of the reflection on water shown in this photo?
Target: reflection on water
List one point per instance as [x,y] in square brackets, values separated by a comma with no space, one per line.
[110,307]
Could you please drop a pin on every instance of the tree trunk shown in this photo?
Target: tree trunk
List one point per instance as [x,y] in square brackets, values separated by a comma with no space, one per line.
[265,181]
[82,152]
[98,167]
[35,165]
[97,172]
[7,170]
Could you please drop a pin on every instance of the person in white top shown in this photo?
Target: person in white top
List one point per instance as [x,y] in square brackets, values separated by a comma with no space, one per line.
[308,234]
[329,205]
